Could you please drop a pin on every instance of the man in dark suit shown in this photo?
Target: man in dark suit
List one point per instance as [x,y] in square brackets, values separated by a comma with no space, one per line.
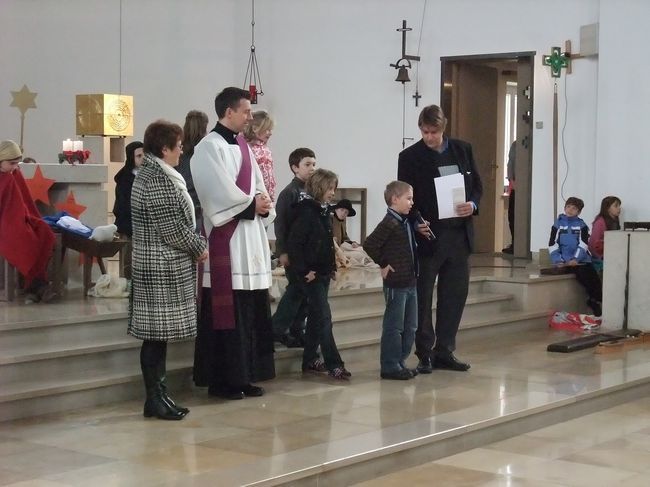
[444,254]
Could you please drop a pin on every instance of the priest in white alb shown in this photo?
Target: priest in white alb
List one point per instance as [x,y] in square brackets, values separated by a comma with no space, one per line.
[234,346]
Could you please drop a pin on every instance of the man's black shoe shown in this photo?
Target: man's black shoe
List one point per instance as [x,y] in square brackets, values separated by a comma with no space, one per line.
[424,366]
[252,391]
[402,374]
[293,342]
[230,393]
[449,362]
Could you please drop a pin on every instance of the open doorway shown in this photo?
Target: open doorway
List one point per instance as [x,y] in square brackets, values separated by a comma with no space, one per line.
[488,101]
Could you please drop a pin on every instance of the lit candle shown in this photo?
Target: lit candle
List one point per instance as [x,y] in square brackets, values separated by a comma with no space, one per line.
[67,145]
[77,145]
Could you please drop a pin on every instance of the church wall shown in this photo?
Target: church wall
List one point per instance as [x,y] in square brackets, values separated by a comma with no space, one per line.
[623,161]
[324,67]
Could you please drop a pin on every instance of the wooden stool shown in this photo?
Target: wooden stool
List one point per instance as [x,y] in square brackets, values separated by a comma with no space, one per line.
[9,276]
[91,249]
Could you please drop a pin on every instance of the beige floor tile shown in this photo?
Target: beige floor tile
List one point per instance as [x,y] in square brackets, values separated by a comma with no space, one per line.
[485,460]
[264,444]
[47,460]
[619,453]
[119,474]
[432,474]
[193,459]
[576,474]
[254,419]
[8,477]
[323,428]
[36,483]
[536,447]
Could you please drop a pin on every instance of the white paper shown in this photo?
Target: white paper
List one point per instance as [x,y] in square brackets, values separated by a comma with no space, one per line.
[450,191]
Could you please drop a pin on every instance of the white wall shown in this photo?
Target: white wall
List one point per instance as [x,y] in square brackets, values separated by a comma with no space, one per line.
[623,157]
[324,67]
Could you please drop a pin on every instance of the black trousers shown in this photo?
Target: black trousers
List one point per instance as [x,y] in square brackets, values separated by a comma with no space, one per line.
[511,215]
[450,264]
[590,280]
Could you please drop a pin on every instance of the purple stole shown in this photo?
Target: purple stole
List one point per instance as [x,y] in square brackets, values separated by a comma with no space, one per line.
[223,307]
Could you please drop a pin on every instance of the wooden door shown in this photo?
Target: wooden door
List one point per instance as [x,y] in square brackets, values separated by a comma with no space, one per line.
[474,119]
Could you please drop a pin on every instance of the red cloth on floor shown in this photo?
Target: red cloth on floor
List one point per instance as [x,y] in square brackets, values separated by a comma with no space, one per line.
[26,241]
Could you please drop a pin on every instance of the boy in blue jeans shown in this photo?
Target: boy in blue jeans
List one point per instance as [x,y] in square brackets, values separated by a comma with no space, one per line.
[392,245]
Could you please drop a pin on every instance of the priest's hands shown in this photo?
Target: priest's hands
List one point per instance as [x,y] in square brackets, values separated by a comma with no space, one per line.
[263,204]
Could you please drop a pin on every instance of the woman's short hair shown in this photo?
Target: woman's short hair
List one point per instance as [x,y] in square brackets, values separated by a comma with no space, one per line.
[196,125]
[320,182]
[161,134]
[261,122]
[433,116]
[395,189]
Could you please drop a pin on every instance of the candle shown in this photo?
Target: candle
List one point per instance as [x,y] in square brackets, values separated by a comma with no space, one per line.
[67,145]
[77,145]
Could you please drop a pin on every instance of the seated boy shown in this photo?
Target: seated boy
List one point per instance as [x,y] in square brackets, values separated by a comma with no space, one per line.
[289,317]
[568,246]
[392,245]
[340,212]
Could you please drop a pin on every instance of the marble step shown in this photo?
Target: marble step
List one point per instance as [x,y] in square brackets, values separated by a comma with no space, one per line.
[350,299]
[83,376]
[485,306]
[364,345]
[83,363]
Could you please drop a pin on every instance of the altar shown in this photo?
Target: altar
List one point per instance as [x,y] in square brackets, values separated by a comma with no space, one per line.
[79,187]
[614,278]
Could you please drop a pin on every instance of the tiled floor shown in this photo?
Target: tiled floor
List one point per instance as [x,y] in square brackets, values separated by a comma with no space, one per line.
[608,448]
[304,422]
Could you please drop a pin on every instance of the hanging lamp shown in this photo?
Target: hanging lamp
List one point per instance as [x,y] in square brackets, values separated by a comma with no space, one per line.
[252,80]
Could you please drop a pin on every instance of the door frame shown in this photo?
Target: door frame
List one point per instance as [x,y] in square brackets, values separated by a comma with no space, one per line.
[523,170]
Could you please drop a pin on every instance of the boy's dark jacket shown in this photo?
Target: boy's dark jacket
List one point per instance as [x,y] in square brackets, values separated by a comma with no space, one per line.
[310,244]
[285,211]
[389,244]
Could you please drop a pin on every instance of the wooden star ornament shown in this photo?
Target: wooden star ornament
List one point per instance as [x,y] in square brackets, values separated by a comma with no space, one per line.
[39,186]
[23,99]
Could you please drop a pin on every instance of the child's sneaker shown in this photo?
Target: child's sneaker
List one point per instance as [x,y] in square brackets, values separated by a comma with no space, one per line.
[316,366]
[339,373]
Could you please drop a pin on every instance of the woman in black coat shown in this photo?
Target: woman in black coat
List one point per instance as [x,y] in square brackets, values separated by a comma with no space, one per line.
[124,182]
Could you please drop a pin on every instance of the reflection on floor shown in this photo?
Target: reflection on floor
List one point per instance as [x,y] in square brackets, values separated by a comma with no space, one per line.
[607,448]
[309,422]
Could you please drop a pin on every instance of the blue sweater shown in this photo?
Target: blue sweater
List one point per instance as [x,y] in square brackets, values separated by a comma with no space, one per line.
[569,240]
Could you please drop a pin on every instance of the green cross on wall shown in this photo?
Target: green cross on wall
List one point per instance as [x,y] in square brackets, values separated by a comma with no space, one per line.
[557,60]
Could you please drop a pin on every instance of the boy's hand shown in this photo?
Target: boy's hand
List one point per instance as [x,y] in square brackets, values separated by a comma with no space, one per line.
[572,263]
[424,230]
[284,260]
[311,275]
[386,270]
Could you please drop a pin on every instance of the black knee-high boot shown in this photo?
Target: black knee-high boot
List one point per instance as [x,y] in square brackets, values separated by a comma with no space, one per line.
[163,383]
[151,354]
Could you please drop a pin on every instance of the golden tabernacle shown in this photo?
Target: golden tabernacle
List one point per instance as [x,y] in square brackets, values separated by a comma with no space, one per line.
[105,115]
